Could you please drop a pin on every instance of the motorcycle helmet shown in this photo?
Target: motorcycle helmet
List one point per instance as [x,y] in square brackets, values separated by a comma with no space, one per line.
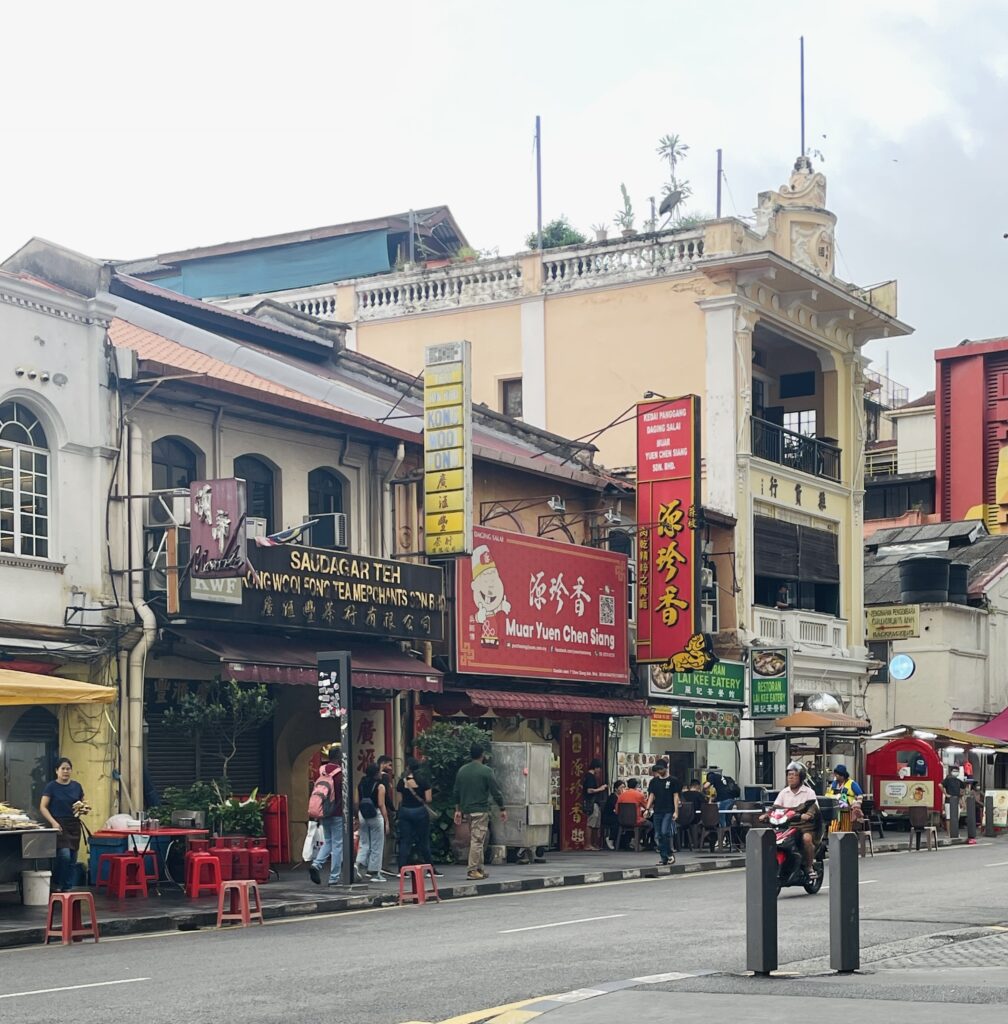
[797,766]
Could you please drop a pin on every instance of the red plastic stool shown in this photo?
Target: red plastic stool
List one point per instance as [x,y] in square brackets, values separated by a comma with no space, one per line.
[203,872]
[127,875]
[199,845]
[105,860]
[149,858]
[259,864]
[236,895]
[71,927]
[419,873]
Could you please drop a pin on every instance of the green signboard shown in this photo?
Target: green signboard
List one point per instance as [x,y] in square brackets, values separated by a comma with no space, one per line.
[703,724]
[769,687]
[723,684]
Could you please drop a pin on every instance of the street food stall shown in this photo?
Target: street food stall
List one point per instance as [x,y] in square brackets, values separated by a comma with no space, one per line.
[23,841]
[907,771]
[814,738]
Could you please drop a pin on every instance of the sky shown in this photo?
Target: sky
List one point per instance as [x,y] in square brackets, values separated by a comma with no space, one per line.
[131,129]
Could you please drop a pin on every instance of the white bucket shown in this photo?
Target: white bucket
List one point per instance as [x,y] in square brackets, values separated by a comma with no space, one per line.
[35,888]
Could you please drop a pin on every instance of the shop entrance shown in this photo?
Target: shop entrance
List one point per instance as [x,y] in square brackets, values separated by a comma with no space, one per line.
[681,764]
[30,758]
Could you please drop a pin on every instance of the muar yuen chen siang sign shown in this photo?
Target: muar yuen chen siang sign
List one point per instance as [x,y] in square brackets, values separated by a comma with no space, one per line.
[292,586]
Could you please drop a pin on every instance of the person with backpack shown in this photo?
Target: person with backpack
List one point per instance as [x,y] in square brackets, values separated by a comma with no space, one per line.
[373,823]
[325,805]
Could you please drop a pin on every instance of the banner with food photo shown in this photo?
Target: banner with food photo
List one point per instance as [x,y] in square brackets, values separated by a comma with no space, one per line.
[768,696]
[633,765]
[701,724]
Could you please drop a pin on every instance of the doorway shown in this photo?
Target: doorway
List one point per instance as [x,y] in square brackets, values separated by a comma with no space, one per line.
[30,758]
[681,763]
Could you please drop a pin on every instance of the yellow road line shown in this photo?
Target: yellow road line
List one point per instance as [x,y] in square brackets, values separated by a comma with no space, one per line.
[492,1013]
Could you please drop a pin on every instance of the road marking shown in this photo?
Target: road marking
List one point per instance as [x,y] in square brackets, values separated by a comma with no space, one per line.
[480,1015]
[559,924]
[864,881]
[997,864]
[71,988]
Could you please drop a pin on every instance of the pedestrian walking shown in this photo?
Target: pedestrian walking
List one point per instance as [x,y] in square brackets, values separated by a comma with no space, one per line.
[386,772]
[663,802]
[475,786]
[373,824]
[61,804]
[415,797]
[593,797]
[325,805]
[952,785]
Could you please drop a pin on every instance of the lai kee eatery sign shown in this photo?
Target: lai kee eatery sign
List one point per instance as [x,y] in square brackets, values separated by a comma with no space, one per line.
[292,586]
[769,686]
[539,609]
[723,684]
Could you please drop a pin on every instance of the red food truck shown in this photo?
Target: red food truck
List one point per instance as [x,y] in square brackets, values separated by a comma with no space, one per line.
[906,772]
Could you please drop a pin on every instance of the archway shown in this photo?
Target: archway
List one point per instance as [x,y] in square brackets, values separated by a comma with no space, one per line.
[29,757]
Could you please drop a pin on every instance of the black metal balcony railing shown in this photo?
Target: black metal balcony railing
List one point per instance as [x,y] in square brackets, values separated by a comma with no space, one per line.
[796,451]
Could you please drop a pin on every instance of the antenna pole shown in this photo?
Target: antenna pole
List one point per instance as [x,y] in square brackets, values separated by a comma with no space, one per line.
[719,172]
[538,149]
[801,50]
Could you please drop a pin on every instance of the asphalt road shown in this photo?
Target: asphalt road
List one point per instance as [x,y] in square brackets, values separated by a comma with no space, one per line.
[429,963]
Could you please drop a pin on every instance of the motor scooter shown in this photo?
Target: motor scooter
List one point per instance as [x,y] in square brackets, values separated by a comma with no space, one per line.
[790,863]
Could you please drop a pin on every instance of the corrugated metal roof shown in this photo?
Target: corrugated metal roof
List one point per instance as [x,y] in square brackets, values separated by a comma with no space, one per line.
[959,531]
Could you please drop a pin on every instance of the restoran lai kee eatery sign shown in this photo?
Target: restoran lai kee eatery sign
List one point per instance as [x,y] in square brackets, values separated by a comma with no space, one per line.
[287,585]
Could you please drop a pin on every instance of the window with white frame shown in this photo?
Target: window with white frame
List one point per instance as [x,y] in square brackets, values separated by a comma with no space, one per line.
[24,483]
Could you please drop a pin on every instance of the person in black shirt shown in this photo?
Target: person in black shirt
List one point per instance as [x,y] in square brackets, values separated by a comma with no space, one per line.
[610,816]
[415,795]
[593,794]
[952,785]
[61,804]
[663,802]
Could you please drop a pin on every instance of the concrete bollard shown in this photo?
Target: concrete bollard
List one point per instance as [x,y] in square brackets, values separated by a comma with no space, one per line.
[761,901]
[844,903]
[952,807]
[989,817]
[971,818]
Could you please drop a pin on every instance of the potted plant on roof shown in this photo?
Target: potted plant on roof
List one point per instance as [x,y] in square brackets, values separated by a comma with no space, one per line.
[601,231]
[625,217]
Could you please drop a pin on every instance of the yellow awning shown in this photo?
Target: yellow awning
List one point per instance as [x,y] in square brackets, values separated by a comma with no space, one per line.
[20,688]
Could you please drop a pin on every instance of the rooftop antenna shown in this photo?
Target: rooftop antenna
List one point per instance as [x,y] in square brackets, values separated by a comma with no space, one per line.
[720,172]
[801,51]
[538,149]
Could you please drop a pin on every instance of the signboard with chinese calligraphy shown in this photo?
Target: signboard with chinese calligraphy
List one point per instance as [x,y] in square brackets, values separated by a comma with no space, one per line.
[369,740]
[217,525]
[580,744]
[723,684]
[288,585]
[892,622]
[668,563]
[769,685]
[539,609]
[448,516]
[661,723]
[698,724]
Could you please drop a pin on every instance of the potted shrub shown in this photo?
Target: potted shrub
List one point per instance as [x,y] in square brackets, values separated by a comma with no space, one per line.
[601,231]
[625,217]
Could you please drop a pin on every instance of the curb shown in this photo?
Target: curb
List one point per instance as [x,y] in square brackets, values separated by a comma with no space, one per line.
[197,919]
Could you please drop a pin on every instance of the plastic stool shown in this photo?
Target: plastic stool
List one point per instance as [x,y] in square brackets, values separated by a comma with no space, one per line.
[203,872]
[865,842]
[71,927]
[105,860]
[419,873]
[127,876]
[236,895]
[259,864]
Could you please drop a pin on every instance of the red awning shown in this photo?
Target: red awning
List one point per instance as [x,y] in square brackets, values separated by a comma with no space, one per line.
[267,659]
[547,702]
[995,729]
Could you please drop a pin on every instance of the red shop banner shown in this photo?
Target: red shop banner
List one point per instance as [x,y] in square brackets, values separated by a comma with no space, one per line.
[538,609]
[668,560]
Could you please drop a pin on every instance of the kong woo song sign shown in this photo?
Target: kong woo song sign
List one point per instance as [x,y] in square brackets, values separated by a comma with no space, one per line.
[668,566]
[539,609]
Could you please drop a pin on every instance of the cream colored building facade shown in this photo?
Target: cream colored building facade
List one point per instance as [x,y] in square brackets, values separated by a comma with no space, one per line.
[749,317]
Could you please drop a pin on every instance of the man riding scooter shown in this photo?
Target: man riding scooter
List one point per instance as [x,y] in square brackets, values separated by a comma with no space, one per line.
[801,797]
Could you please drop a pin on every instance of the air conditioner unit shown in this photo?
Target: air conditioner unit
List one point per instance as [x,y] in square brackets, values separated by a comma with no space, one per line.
[157,561]
[329,530]
[168,508]
[255,526]
[707,578]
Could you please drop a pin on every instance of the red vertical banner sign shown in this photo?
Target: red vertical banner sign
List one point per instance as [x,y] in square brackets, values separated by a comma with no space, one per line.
[668,499]
[581,742]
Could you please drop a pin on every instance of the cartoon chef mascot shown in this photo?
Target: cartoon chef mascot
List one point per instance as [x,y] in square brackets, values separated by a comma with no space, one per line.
[488,593]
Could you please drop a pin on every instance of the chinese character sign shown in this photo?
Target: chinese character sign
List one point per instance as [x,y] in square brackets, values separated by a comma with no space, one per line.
[538,609]
[668,566]
[217,525]
[769,682]
[369,740]
[448,517]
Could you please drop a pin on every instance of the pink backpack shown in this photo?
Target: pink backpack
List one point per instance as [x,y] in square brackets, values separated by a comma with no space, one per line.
[326,796]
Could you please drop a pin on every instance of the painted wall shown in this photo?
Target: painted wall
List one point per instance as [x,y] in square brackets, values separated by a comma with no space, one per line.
[960,404]
[915,441]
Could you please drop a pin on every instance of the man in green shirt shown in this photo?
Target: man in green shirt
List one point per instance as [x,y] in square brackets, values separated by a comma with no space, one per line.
[474,786]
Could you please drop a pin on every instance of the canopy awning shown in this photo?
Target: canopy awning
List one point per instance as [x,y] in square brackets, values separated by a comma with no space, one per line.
[23,688]
[267,659]
[822,720]
[940,735]
[544,703]
[995,729]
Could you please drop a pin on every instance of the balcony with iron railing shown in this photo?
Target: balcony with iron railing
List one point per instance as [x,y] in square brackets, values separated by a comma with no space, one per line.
[805,454]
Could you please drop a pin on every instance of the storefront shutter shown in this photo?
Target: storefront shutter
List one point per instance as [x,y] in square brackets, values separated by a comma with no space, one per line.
[776,548]
[818,560]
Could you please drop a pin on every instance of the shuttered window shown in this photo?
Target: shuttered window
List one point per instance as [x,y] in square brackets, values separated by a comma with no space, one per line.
[775,548]
[818,561]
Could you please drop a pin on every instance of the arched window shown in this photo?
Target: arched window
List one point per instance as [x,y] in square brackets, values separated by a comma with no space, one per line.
[173,464]
[258,479]
[325,496]
[24,483]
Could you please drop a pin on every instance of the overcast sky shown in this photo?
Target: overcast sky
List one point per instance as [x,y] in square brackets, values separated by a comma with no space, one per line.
[131,129]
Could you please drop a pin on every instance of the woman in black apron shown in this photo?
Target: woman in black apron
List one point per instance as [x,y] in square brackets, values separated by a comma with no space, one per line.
[61,800]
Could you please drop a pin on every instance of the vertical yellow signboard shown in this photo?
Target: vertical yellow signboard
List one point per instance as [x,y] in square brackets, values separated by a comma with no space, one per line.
[448,513]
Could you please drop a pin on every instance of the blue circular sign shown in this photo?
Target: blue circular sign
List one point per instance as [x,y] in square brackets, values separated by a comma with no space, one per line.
[902,666]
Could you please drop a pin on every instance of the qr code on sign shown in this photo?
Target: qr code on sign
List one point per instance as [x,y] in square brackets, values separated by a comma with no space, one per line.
[607,610]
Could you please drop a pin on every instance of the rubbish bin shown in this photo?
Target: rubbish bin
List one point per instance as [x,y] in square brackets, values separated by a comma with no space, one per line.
[35,888]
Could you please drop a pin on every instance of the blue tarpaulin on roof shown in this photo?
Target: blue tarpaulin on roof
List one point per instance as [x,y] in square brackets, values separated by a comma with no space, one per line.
[287,266]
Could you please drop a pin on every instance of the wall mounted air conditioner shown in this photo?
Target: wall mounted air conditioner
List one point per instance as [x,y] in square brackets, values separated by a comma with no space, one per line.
[156,560]
[330,531]
[707,578]
[168,508]
[255,526]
